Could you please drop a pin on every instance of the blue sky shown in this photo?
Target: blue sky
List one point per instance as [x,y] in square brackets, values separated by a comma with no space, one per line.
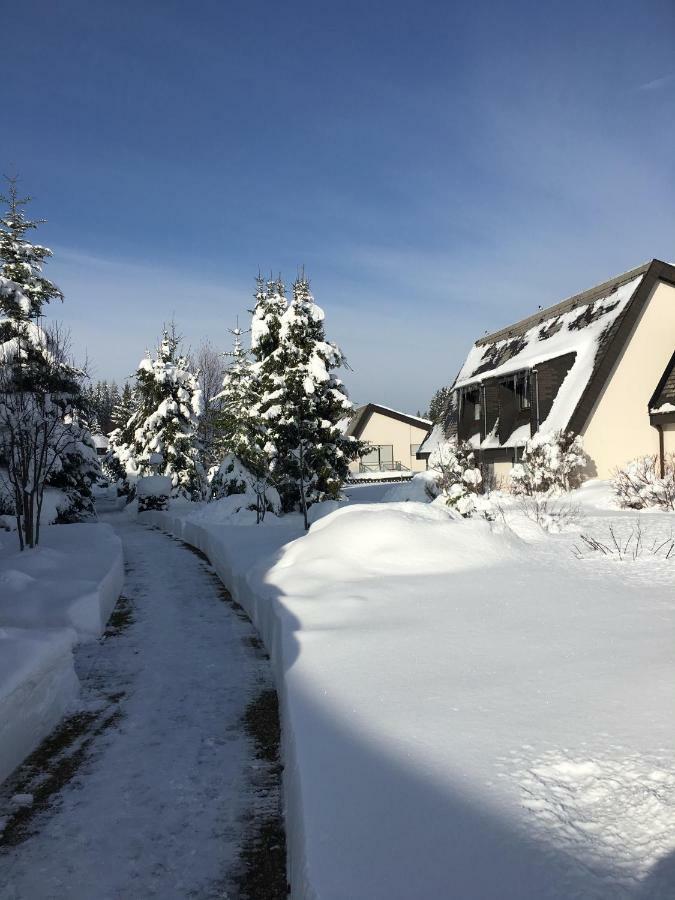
[439,168]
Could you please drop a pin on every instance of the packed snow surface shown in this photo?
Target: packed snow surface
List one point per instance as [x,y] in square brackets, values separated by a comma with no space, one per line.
[158,806]
[467,712]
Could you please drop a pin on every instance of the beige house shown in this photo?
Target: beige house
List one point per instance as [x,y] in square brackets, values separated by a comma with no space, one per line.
[393,438]
[600,364]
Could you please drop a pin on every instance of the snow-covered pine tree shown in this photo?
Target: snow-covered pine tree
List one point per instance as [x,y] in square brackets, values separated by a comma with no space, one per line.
[124,408]
[270,305]
[244,466]
[305,407]
[239,431]
[42,440]
[160,438]
[21,261]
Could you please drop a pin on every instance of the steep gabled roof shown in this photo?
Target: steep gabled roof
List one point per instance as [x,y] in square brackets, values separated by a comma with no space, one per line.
[663,399]
[594,325]
[363,413]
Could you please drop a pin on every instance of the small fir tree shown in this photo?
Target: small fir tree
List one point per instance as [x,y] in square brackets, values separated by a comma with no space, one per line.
[160,437]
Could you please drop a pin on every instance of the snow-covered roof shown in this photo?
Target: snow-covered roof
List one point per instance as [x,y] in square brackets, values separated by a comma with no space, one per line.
[433,441]
[663,400]
[584,325]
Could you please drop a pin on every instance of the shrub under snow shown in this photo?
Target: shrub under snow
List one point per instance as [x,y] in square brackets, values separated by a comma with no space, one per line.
[232,478]
[551,463]
[460,480]
[639,485]
[153,492]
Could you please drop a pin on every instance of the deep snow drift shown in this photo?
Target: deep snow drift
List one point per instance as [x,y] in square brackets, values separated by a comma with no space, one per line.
[467,712]
[50,598]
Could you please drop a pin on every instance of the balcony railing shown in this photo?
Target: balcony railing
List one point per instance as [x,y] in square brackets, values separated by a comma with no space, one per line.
[394,466]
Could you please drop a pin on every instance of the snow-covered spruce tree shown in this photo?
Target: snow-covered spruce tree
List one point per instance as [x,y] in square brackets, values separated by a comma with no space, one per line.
[124,407]
[160,437]
[243,468]
[304,407]
[270,306]
[80,469]
[438,407]
[42,440]
[21,261]
[551,463]
[118,463]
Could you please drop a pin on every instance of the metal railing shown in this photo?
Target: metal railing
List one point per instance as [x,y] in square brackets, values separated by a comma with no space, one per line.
[394,466]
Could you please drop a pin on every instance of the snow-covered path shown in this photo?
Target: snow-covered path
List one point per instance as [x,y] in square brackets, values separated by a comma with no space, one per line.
[164,792]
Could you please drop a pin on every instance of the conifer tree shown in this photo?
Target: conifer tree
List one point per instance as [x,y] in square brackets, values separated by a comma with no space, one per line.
[124,408]
[305,407]
[42,438]
[160,436]
[21,261]
[244,468]
[238,427]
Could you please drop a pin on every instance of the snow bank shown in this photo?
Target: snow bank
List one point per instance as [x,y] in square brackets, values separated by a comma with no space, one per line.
[72,579]
[421,488]
[50,598]
[38,684]
[427,669]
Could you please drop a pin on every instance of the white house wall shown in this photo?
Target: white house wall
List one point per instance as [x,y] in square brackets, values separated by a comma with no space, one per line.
[381,429]
[618,429]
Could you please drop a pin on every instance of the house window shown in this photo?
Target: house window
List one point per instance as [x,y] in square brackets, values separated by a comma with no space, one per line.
[379,458]
[413,449]
[476,411]
[523,391]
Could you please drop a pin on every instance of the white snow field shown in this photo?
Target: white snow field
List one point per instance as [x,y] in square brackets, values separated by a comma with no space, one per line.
[466,712]
[155,807]
[50,598]
[73,578]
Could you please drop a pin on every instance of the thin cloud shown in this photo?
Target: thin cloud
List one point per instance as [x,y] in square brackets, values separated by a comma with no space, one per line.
[657,83]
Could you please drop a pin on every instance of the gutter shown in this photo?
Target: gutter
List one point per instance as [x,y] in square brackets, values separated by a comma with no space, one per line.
[662,454]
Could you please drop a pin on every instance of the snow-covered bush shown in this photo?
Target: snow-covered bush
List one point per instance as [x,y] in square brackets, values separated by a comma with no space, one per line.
[153,492]
[550,462]
[460,479]
[232,477]
[549,512]
[640,485]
